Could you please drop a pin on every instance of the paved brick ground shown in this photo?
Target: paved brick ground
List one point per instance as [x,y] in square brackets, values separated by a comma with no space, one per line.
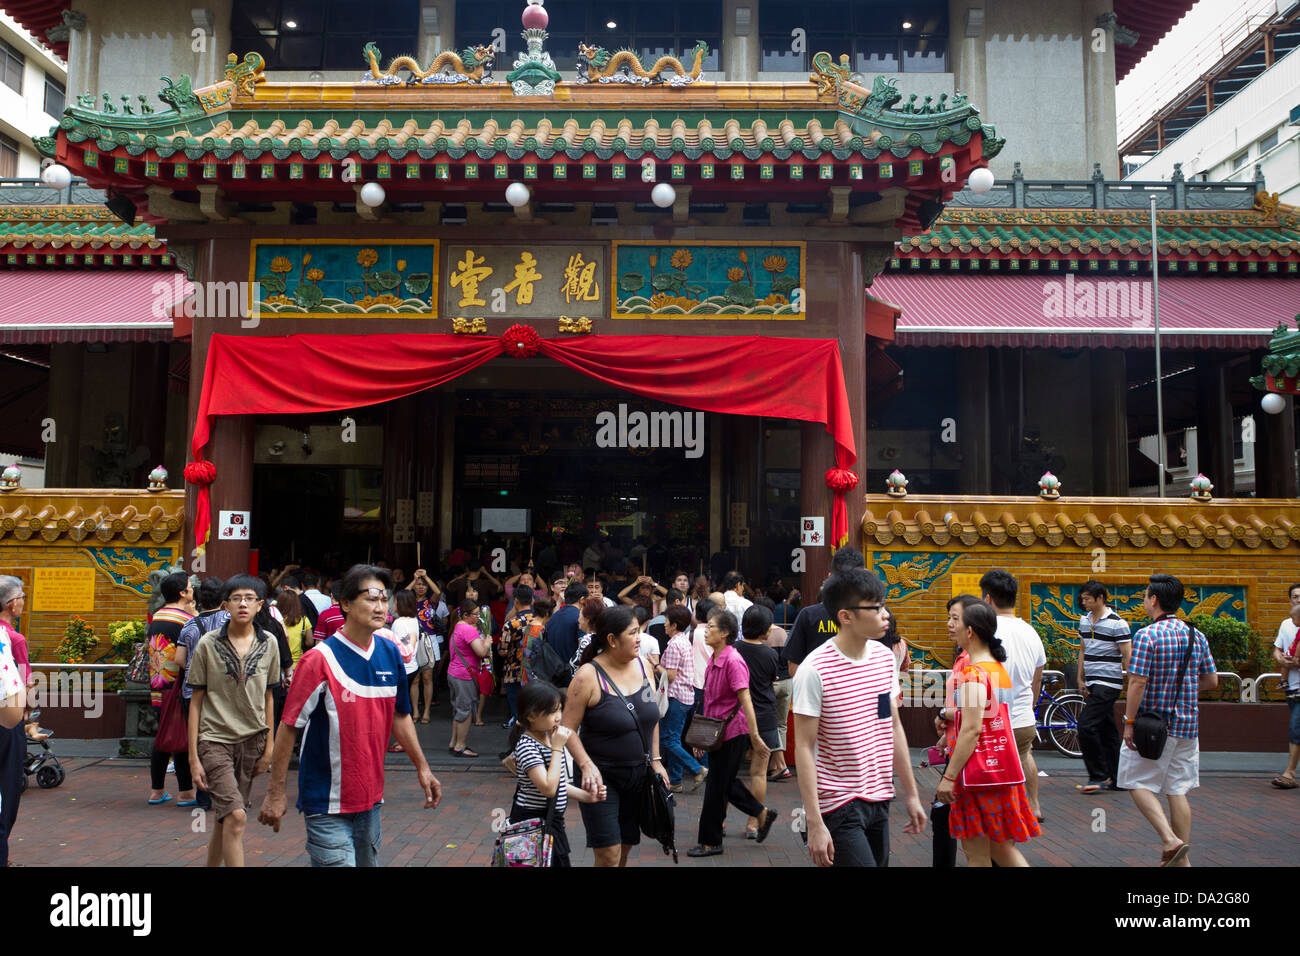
[99,817]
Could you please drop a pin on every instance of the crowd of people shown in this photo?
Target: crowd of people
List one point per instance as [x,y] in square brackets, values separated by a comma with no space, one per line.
[692,681]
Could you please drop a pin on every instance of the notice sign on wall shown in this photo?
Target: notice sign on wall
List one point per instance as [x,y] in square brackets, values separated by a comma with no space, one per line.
[70,590]
[966,584]
[812,530]
[233,526]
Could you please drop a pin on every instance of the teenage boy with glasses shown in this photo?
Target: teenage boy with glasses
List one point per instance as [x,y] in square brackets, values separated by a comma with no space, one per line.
[849,741]
[349,694]
[232,714]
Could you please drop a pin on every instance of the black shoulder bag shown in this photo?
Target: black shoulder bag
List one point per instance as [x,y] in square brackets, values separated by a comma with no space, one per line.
[655,805]
[1150,727]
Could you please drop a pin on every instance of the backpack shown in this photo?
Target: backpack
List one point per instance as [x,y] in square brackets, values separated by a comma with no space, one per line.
[542,663]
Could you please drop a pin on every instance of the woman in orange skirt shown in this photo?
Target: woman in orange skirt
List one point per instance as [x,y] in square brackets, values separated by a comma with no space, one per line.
[984,781]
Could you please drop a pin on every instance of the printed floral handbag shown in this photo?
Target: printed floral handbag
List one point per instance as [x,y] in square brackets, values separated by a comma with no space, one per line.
[528,843]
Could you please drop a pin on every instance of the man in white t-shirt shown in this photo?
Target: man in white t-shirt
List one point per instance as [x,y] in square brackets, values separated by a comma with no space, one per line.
[849,741]
[1287,656]
[1025,662]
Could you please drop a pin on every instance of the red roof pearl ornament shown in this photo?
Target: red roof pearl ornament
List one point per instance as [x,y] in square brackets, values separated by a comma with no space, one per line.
[521,341]
[535,17]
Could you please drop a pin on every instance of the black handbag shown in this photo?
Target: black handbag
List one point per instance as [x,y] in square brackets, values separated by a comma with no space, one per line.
[654,810]
[1151,727]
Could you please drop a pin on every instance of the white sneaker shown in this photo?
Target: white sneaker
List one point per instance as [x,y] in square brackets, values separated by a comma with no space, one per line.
[171,766]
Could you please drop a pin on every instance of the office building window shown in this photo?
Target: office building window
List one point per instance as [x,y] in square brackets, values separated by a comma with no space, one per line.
[879,37]
[8,158]
[669,28]
[1268,142]
[11,67]
[54,97]
[323,34]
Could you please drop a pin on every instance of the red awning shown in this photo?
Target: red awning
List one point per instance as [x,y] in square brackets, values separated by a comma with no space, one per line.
[1069,311]
[87,305]
[880,318]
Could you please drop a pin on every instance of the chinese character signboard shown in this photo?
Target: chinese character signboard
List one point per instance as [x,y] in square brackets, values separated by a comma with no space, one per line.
[328,278]
[524,281]
[708,280]
[69,590]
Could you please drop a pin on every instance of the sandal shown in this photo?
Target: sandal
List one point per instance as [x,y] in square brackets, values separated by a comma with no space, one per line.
[1171,857]
[751,834]
[163,799]
[1091,787]
[464,753]
[1285,783]
[395,748]
[783,774]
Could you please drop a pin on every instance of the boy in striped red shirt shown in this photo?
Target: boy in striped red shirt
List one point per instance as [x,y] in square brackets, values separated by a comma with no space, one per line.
[849,741]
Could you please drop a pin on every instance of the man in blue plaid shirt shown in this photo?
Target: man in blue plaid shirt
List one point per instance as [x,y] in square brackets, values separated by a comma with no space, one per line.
[1158,651]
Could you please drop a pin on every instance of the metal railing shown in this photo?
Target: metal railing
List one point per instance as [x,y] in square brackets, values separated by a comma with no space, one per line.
[1247,688]
[94,668]
[1097,193]
[34,192]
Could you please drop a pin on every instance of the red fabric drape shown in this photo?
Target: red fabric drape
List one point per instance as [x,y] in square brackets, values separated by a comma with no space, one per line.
[802,379]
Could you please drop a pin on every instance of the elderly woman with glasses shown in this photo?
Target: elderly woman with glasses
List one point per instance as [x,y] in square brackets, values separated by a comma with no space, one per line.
[727,698]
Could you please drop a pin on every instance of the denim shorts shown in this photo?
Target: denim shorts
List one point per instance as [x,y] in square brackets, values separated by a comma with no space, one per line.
[344,839]
[1293,700]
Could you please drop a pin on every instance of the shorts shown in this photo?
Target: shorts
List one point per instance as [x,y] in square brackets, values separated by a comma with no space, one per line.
[229,769]
[783,688]
[613,821]
[1177,771]
[464,695]
[860,833]
[1293,701]
[344,839]
[1025,737]
[771,738]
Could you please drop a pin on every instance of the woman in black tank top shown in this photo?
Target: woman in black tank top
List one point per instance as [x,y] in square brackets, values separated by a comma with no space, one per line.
[612,710]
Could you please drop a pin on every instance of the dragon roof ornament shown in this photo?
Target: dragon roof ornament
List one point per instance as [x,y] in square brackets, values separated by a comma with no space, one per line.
[879,106]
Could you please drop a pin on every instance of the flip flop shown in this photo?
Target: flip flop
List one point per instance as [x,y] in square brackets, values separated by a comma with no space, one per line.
[188,803]
[163,799]
[1092,787]
[464,753]
[1285,783]
[1170,857]
[785,774]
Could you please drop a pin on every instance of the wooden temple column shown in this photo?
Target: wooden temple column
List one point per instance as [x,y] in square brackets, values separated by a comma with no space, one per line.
[231,450]
[1275,472]
[1109,423]
[973,421]
[147,417]
[400,430]
[67,378]
[817,451]
[1214,429]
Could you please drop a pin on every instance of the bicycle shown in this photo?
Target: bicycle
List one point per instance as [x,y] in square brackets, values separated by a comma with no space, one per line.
[1056,717]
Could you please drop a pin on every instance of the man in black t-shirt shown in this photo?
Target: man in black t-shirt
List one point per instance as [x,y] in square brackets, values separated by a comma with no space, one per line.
[814,625]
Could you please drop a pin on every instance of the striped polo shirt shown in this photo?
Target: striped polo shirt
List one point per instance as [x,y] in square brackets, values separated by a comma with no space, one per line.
[855,730]
[1101,641]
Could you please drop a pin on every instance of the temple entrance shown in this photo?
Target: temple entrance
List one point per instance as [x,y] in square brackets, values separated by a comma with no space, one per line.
[582,465]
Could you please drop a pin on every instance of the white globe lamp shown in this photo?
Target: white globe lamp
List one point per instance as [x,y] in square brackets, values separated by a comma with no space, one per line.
[57,175]
[1273,403]
[517,194]
[373,195]
[663,195]
[981,180]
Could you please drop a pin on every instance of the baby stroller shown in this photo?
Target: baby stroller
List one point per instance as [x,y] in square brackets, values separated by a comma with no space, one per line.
[41,762]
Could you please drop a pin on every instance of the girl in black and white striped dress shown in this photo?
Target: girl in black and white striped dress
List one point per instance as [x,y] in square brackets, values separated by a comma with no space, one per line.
[541,765]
